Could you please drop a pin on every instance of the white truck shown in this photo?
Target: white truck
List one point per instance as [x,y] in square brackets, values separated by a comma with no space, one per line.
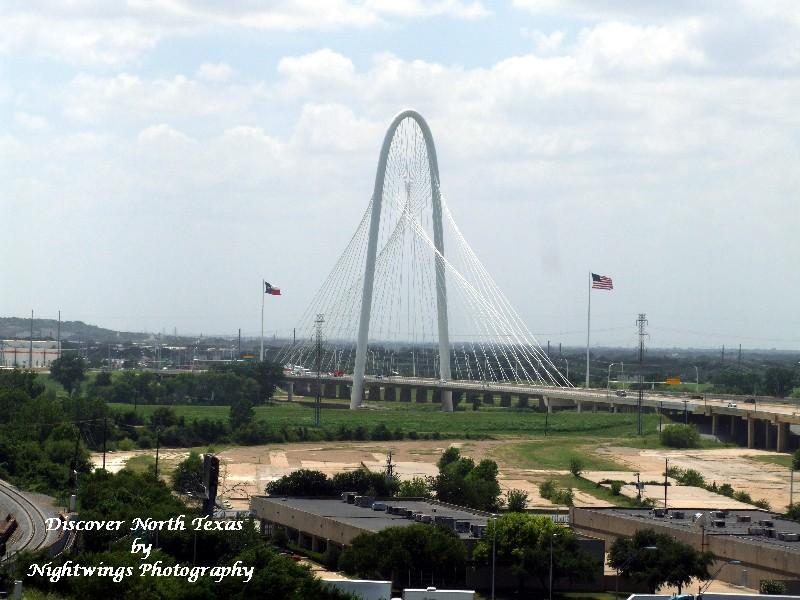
[432,593]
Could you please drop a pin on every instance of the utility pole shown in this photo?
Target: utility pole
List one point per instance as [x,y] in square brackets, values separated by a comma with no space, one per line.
[58,343]
[318,403]
[548,348]
[294,335]
[723,353]
[30,346]
[641,322]
[740,355]
[240,343]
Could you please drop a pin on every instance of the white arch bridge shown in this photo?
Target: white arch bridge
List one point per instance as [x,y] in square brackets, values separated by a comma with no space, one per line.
[408,295]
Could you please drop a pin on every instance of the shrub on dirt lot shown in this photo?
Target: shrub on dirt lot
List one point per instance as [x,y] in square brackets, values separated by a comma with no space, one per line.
[576,466]
[616,487]
[771,586]
[680,436]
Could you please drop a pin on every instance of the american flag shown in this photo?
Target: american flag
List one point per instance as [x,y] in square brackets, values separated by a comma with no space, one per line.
[601,282]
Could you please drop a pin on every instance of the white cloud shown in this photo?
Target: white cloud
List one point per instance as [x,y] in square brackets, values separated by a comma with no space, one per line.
[108,33]
[327,70]
[214,72]
[31,122]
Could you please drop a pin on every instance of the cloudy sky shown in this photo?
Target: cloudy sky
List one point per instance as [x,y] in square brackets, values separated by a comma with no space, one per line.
[159,157]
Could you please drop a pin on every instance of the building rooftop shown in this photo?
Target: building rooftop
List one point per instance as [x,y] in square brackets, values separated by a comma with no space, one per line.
[757,526]
[376,520]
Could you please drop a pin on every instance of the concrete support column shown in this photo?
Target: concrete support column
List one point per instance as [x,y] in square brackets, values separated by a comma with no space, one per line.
[751,433]
[374,393]
[783,437]
[578,405]
[316,543]
[405,394]
[422,395]
[733,427]
[330,390]
[456,398]
[523,401]
[488,398]
[768,437]
[505,400]
[548,404]
[290,390]
[344,391]
[390,393]
[473,398]
[714,424]
[436,396]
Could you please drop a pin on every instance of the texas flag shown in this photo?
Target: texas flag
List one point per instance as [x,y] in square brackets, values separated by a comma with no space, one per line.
[272,291]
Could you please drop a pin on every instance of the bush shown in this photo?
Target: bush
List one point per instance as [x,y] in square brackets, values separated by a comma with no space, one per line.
[771,586]
[793,511]
[726,489]
[680,436]
[548,488]
[742,496]
[126,444]
[692,478]
[516,500]
[616,487]
[576,466]
[763,503]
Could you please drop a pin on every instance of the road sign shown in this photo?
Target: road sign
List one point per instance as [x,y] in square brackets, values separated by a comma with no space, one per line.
[673,380]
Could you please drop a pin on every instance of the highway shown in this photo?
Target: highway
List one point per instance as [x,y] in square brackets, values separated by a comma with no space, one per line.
[30,513]
[787,410]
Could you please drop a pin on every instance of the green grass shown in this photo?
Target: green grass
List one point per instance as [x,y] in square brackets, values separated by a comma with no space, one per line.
[428,418]
[555,453]
[783,460]
[140,464]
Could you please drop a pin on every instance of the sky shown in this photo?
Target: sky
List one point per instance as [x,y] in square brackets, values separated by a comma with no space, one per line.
[158,158]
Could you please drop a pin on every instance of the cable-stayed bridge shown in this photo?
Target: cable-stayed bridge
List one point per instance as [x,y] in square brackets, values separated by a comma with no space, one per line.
[409,290]
[409,309]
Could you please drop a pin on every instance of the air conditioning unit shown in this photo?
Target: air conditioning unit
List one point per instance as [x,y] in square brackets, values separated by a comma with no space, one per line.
[742,518]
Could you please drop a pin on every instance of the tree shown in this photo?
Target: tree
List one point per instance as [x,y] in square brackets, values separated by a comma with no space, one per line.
[242,412]
[461,481]
[516,500]
[303,482]
[671,563]
[69,371]
[796,460]
[398,553]
[680,436]
[576,466]
[523,543]
[188,475]
[417,487]
[779,381]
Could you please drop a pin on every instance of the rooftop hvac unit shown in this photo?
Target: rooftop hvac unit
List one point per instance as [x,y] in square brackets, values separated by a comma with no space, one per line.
[409,514]
[742,518]
[426,519]
[755,531]
[348,497]
[378,506]
[477,530]
[719,522]
[766,523]
[678,514]
[717,514]
[769,531]
[658,512]
[788,536]
[462,526]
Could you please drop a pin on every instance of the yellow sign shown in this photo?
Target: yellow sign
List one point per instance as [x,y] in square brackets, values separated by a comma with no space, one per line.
[673,380]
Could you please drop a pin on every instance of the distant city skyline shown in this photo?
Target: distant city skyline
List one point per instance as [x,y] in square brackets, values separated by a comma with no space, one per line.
[159,160]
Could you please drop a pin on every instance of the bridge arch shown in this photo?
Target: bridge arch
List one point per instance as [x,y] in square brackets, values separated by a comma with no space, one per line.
[357,392]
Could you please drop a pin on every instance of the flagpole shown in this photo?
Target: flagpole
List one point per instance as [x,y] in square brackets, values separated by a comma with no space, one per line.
[588,328]
[263,293]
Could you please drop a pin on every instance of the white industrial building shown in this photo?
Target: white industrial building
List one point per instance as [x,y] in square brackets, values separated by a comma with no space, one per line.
[25,354]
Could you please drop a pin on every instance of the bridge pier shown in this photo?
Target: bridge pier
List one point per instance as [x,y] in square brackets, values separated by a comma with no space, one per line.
[782,444]
[768,437]
[732,432]
[329,390]
[505,400]
[422,395]
[436,396]
[714,424]
[488,398]
[578,406]
[344,391]
[390,393]
[523,401]
[405,394]
[374,393]
[454,395]
[290,390]
[751,432]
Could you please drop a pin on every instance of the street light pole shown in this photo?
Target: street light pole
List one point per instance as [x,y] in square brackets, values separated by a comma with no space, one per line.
[701,590]
[566,362]
[696,380]
[552,535]
[494,544]
[608,381]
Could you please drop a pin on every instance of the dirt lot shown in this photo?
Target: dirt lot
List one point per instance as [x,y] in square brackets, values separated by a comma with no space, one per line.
[246,470]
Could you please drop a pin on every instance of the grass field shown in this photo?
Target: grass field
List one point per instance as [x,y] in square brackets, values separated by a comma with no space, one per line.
[783,460]
[555,453]
[428,418]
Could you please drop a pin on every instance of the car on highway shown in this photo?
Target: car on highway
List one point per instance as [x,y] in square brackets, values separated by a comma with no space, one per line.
[731,404]
[750,401]
[697,397]
[622,393]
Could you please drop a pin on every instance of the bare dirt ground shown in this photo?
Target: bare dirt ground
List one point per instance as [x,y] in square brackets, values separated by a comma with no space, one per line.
[245,471]
[720,465]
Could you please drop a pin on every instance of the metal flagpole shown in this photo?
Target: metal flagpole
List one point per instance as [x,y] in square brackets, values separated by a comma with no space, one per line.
[588,328]
[263,293]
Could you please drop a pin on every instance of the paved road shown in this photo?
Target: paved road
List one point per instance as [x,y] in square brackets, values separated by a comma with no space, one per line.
[30,513]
